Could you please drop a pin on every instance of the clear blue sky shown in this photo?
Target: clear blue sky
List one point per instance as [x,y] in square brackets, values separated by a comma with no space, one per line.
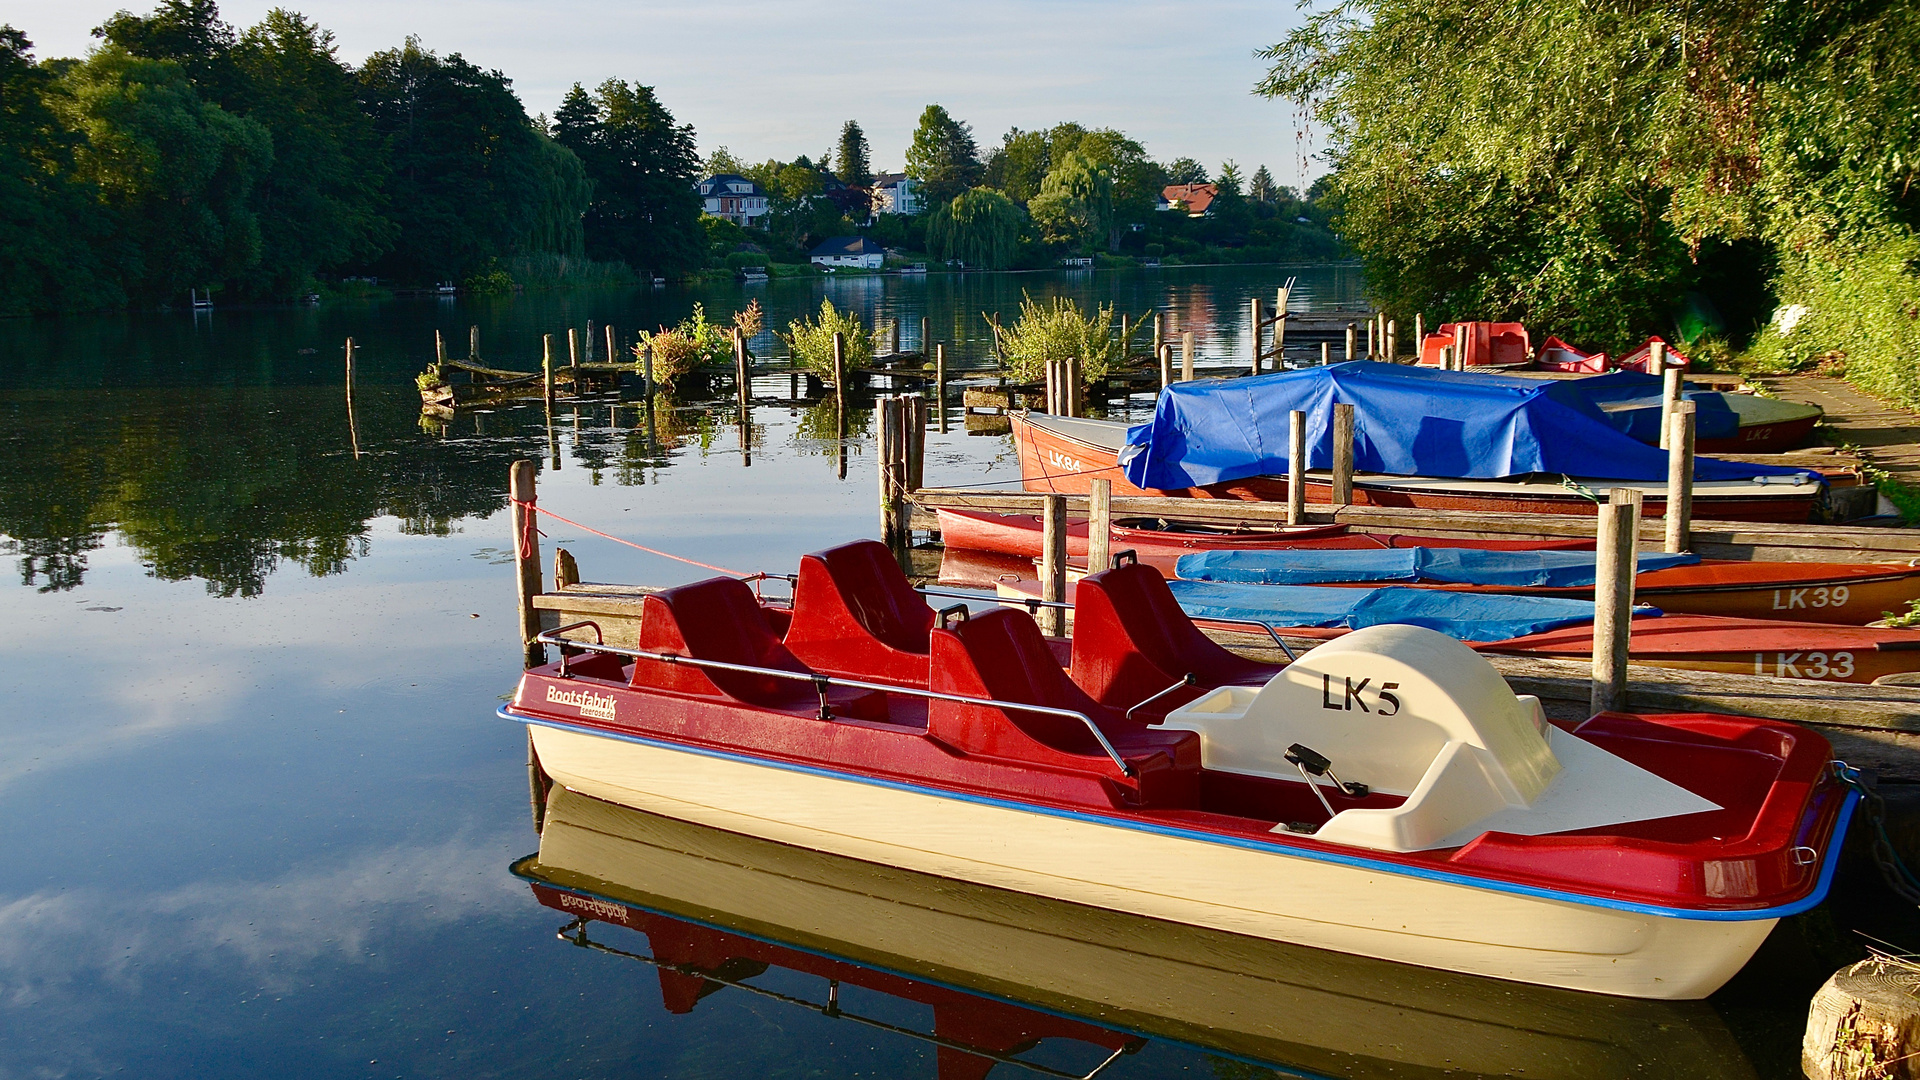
[770,79]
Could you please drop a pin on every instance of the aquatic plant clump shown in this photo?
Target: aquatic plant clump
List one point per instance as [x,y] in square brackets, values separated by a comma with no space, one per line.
[810,341]
[1057,330]
[692,343]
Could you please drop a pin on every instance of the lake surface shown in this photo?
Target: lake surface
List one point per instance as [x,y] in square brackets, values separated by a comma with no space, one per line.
[259,813]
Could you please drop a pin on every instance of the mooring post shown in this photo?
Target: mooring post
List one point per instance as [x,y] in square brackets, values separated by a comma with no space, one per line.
[893,327]
[741,379]
[1342,455]
[1076,391]
[439,348]
[926,337]
[1672,383]
[546,367]
[1617,547]
[1393,343]
[1351,344]
[1165,352]
[522,497]
[473,344]
[1296,467]
[1326,353]
[1419,335]
[573,359]
[566,571]
[1253,306]
[1186,356]
[1370,353]
[1099,524]
[1680,440]
[353,428]
[886,440]
[940,383]
[916,442]
[646,371]
[1053,563]
[840,373]
[586,342]
[1053,387]
[613,353]
[1446,358]
[1280,329]
[1460,346]
[1158,340]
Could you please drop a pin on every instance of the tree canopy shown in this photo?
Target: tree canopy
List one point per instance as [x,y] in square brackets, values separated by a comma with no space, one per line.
[852,163]
[943,158]
[643,167]
[980,227]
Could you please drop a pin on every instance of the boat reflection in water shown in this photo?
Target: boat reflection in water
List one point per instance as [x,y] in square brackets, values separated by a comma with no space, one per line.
[1003,971]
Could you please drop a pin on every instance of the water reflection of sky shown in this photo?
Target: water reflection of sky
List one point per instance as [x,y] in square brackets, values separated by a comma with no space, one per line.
[259,811]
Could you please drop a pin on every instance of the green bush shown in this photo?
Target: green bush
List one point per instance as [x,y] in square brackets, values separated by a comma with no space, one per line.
[1057,330]
[694,343]
[810,341]
[1857,316]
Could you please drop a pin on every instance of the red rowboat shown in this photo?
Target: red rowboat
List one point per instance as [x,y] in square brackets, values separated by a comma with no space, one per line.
[1639,855]
[1060,454]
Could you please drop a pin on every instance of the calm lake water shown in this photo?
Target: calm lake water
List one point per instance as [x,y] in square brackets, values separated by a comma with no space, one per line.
[259,812]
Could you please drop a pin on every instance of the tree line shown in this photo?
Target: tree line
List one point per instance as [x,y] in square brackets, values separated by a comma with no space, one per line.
[1594,169]
[182,153]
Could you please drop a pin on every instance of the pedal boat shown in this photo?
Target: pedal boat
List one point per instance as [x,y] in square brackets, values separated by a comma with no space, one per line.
[1386,794]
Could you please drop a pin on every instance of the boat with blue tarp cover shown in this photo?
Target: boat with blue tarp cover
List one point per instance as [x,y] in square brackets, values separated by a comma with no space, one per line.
[1447,566]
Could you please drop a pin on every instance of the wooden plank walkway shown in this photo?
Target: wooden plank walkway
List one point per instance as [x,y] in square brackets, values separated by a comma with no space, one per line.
[1888,436]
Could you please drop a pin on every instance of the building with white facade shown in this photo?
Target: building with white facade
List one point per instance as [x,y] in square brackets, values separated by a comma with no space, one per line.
[735,198]
[896,193]
[849,251]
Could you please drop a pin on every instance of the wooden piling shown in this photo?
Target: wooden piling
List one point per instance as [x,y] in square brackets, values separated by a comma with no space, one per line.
[1165,353]
[546,367]
[1284,299]
[586,343]
[1672,383]
[1326,353]
[646,371]
[890,458]
[1370,353]
[353,428]
[1053,563]
[526,556]
[1076,391]
[1099,524]
[1617,549]
[1253,306]
[1342,455]
[1351,344]
[439,348]
[916,432]
[926,337]
[1296,467]
[1419,335]
[1186,356]
[473,343]
[1393,343]
[893,328]
[840,373]
[613,352]
[566,571]
[742,380]
[1053,387]
[1158,341]
[940,384]
[573,358]
[1460,347]
[1680,438]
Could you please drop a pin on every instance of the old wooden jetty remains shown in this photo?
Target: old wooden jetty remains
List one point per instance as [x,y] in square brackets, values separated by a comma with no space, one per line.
[488,384]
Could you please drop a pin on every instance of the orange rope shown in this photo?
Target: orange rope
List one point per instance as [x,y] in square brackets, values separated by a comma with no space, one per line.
[526,547]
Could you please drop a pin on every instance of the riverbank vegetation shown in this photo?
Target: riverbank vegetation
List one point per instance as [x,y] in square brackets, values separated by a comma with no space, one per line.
[1606,172]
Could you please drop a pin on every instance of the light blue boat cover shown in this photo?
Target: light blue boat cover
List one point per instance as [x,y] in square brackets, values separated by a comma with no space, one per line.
[1410,421]
[1446,566]
[1635,398]
[1466,616]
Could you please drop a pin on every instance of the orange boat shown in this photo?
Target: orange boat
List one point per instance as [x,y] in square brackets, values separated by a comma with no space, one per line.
[1061,454]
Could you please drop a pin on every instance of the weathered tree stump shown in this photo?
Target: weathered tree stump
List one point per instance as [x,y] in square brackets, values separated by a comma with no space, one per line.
[1864,1024]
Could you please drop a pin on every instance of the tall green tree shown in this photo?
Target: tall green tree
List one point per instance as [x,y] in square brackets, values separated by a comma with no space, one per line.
[1260,188]
[643,166]
[980,227]
[470,176]
[943,158]
[1186,171]
[854,155]
[1075,204]
[1019,164]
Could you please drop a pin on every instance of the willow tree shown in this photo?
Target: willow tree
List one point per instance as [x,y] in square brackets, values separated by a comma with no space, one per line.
[980,227]
[1582,165]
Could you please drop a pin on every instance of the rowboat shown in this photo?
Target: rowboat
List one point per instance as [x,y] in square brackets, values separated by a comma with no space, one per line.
[727,918]
[1841,593]
[1020,534]
[1061,454]
[1437,820]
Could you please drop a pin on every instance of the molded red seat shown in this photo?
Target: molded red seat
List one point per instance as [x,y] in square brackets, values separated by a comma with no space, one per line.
[1001,655]
[719,619]
[1503,343]
[855,613]
[1131,640]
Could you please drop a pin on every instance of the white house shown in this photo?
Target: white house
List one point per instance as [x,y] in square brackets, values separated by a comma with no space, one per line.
[849,251]
[896,193]
[735,198]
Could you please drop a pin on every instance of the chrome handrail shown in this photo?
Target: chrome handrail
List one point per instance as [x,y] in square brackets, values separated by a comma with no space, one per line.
[1268,627]
[1029,603]
[1185,681]
[821,683]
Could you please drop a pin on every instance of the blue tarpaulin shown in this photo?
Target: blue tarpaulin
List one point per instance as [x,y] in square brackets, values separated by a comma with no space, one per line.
[1447,566]
[1630,403]
[1409,422]
[1466,616]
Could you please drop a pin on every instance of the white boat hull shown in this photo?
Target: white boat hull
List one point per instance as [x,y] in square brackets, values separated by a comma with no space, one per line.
[1186,879]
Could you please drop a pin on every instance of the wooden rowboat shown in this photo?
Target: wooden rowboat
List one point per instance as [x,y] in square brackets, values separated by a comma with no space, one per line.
[1061,454]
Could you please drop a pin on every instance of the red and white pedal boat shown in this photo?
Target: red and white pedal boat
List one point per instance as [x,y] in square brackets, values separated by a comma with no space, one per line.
[1446,823]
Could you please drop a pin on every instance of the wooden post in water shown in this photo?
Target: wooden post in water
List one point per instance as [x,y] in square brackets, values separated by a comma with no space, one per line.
[1370,353]
[889,442]
[1053,563]
[1326,353]
[1446,358]
[1296,467]
[353,428]
[473,344]
[613,353]
[1616,544]
[1672,382]
[1342,455]
[1285,299]
[1393,343]
[940,383]
[1351,343]
[526,555]
[439,348]
[1165,352]
[1186,356]
[573,359]
[1253,307]
[1099,524]
[840,373]
[587,343]
[546,367]
[1076,393]
[1459,346]
[742,380]
[1158,340]
[916,431]
[646,371]
[1680,429]
[893,332]
[1126,336]
[926,337]
[1053,387]
[566,570]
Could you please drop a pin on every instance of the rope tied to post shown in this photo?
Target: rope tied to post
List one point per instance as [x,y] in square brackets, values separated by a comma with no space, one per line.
[526,540]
